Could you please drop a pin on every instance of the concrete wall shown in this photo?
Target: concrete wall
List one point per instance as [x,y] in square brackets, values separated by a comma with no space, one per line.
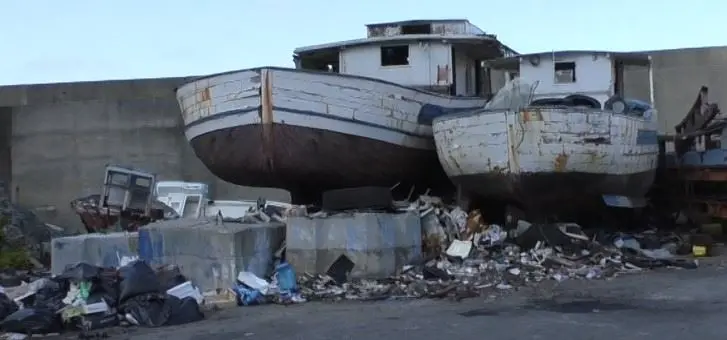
[678,74]
[64,134]
[5,155]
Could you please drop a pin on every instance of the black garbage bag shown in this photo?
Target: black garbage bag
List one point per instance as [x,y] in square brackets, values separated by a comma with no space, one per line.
[49,298]
[137,278]
[107,285]
[32,321]
[148,309]
[92,322]
[183,311]
[7,306]
[169,277]
[80,272]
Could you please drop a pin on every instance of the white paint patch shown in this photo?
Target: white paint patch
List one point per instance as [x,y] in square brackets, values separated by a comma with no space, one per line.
[543,140]
[352,105]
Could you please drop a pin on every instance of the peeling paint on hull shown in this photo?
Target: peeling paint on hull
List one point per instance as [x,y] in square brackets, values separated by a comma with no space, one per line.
[548,155]
[310,131]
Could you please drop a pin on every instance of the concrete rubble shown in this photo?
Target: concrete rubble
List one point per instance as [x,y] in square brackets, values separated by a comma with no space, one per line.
[465,257]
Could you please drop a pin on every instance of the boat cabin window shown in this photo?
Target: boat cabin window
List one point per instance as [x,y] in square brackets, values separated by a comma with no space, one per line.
[416,29]
[395,55]
[565,72]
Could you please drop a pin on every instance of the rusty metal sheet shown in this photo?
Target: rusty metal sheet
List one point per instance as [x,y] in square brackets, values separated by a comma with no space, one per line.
[705,175]
[442,74]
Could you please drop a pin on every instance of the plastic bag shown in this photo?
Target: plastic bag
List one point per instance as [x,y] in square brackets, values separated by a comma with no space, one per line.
[137,278]
[31,321]
[50,297]
[246,296]
[170,276]
[108,285]
[97,321]
[183,311]
[7,306]
[148,310]
[81,272]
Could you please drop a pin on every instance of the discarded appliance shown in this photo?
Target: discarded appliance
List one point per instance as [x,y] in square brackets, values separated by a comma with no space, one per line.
[126,201]
[549,147]
[328,124]
[191,200]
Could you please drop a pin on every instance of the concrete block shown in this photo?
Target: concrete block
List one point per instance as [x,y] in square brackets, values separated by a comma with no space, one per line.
[378,243]
[211,255]
[98,249]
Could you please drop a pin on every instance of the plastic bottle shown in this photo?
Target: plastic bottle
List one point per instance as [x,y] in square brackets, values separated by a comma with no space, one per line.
[286,277]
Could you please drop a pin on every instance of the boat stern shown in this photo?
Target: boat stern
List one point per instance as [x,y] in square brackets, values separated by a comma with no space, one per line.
[226,99]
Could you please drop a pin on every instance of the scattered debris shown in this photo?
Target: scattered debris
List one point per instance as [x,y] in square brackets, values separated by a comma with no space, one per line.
[467,257]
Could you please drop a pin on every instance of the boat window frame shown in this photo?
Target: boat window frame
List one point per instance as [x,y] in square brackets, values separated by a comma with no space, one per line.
[394,48]
[561,66]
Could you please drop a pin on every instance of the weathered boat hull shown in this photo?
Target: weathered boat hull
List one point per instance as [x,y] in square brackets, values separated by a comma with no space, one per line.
[548,157]
[309,131]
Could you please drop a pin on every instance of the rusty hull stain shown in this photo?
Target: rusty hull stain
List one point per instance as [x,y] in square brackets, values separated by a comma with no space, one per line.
[560,162]
[532,116]
[205,95]
[266,117]
[443,73]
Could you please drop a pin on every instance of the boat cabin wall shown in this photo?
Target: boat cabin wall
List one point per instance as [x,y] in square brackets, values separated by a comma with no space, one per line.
[566,74]
[432,66]
[410,64]
[439,27]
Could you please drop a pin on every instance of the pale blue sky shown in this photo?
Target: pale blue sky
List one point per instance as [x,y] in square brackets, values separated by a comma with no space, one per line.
[72,40]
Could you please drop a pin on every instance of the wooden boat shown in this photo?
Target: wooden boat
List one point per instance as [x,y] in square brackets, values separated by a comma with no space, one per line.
[551,142]
[354,113]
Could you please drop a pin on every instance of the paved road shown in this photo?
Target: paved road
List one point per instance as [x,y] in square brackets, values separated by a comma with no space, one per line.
[657,305]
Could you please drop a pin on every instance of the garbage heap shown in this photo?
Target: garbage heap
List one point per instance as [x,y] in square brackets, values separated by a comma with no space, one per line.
[466,257]
[90,298]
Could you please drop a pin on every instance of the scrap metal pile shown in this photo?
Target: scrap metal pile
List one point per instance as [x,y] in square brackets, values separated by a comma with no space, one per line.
[466,257]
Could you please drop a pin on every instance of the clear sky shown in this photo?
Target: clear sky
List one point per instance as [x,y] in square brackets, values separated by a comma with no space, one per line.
[45,41]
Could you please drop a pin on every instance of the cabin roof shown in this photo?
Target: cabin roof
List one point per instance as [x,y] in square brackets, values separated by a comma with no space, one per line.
[633,58]
[461,39]
[417,22]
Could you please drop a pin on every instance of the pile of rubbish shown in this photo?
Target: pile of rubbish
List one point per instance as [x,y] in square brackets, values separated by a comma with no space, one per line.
[88,298]
[466,257]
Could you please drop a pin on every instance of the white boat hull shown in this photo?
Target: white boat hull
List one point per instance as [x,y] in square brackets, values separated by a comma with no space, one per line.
[548,155]
[311,131]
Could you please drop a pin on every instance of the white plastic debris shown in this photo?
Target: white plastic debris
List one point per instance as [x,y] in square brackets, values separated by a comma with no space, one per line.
[185,290]
[253,281]
[98,307]
[460,249]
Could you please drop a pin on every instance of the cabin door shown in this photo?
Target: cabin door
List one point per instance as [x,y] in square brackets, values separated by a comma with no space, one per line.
[618,78]
[453,86]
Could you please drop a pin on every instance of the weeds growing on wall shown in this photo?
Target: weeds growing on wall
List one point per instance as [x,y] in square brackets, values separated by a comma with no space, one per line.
[11,257]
